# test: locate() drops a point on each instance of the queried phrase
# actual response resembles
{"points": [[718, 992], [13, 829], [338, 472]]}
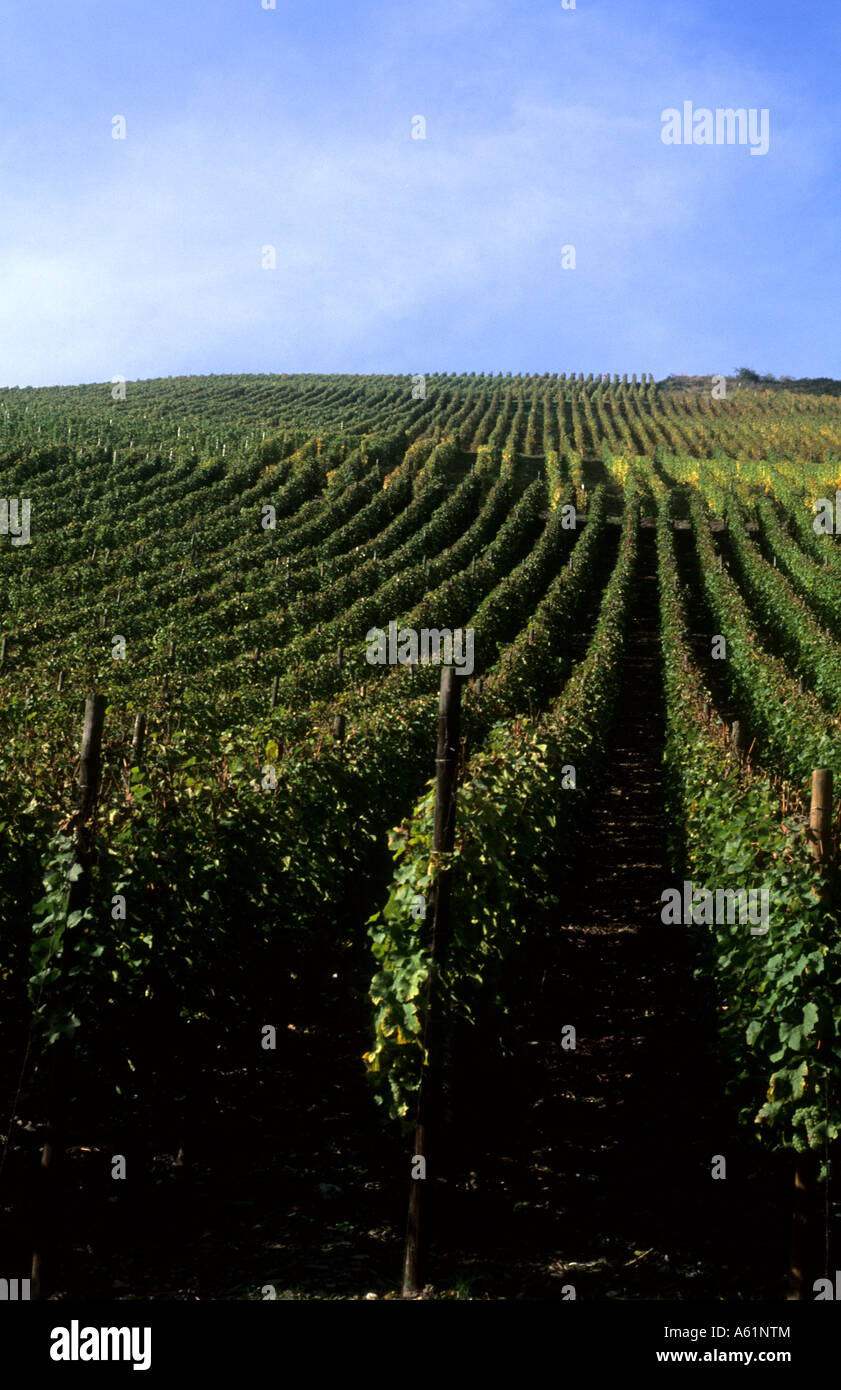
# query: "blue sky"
{"points": [[291, 128]]}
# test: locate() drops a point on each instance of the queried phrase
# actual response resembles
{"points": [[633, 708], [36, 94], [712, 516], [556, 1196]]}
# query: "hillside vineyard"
{"points": [[217, 919]]}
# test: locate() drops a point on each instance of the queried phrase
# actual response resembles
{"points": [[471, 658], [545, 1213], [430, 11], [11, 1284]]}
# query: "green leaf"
{"points": [[810, 1017]]}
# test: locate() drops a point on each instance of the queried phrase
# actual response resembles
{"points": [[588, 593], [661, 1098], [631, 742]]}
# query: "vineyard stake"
{"points": [[820, 816], [446, 770], [805, 1227], [88, 785], [339, 730], [138, 739]]}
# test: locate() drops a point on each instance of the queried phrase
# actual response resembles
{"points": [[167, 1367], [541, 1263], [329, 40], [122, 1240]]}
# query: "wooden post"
{"points": [[806, 1258], [275, 684], [446, 769], [138, 739], [339, 728], [172, 651], [339, 657], [59, 1065], [89, 767], [805, 1245], [737, 737], [2, 650], [820, 817], [60, 685]]}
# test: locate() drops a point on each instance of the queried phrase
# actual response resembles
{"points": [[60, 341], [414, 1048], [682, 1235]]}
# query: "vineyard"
{"points": [[274, 868]]}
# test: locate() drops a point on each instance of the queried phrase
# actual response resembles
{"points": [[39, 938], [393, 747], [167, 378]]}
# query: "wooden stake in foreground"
{"points": [[820, 817], [805, 1227], [138, 739], [446, 770]]}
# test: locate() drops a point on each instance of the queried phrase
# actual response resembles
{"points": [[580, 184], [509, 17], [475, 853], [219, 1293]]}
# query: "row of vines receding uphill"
{"points": [[517, 810], [778, 981]]}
